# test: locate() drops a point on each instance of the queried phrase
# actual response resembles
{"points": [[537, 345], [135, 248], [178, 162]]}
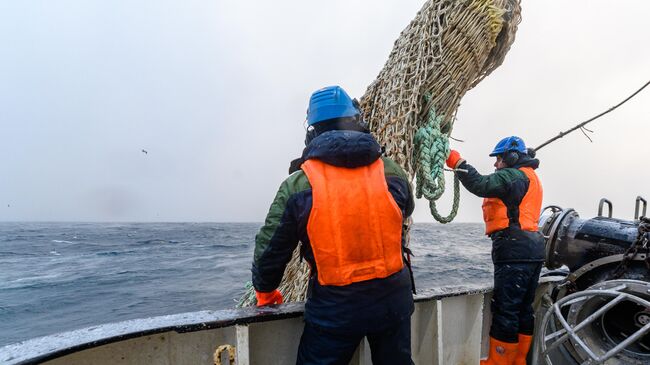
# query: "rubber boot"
{"points": [[501, 353], [524, 346]]}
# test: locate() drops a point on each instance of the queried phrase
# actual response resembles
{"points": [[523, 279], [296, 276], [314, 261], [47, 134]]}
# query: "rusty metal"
{"points": [[220, 350]]}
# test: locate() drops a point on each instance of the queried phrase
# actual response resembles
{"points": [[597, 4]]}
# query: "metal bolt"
{"points": [[643, 319]]}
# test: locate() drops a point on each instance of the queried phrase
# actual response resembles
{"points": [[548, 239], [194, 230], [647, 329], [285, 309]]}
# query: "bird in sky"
{"points": [[144, 151]]}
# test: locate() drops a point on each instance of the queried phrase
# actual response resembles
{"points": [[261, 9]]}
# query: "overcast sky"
{"points": [[216, 92]]}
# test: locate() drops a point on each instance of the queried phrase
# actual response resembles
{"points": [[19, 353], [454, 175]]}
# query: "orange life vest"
{"points": [[355, 226], [495, 213]]}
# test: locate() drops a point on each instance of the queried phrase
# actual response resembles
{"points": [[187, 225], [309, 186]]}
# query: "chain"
{"points": [[641, 244]]}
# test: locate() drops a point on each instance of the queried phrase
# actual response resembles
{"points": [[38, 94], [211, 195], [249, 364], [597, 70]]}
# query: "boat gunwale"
{"points": [[37, 350]]}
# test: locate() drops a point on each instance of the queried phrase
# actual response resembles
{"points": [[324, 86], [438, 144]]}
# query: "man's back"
{"points": [[363, 302], [347, 206]]}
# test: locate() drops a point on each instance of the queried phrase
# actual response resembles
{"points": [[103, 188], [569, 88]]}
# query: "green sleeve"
{"points": [[392, 169], [495, 185], [295, 183]]}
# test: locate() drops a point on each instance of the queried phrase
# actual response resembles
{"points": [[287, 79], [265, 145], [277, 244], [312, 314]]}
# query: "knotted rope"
{"points": [[431, 151]]}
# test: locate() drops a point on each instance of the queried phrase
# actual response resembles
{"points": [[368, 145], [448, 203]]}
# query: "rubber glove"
{"points": [[274, 297], [454, 159]]}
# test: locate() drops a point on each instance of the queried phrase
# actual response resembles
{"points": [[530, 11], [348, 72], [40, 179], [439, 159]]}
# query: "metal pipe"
{"points": [[639, 199], [600, 207]]}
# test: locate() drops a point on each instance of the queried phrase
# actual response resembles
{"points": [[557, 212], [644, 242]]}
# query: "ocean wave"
{"points": [[61, 241], [30, 282], [227, 245], [10, 253], [115, 253], [158, 242], [114, 272]]}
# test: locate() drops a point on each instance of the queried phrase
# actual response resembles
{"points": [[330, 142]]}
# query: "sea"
{"points": [[57, 277]]}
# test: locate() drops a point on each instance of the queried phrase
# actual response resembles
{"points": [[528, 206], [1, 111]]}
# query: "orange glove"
{"points": [[454, 159], [274, 297]]}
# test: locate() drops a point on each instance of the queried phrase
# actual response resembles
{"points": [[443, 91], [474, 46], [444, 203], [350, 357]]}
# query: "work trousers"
{"points": [[512, 300], [321, 346]]}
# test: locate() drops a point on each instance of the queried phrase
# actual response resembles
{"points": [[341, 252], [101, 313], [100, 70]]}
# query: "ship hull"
{"points": [[448, 327]]}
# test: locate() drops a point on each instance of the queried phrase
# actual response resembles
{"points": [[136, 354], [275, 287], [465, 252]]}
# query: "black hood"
{"points": [[526, 161], [343, 148]]}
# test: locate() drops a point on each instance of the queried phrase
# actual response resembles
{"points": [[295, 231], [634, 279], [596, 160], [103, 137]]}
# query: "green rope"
{"points": [[431, 151], [454, 208]]}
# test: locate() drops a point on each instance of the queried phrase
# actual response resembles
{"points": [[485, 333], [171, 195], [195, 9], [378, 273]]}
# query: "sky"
{"points": [[216, 93]]}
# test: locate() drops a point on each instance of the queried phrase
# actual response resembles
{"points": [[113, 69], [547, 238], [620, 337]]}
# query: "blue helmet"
{"points": [[328, 103], [509, 144]]}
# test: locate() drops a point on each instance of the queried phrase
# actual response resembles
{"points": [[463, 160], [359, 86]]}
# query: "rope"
{"points": [[581, 126], [431, 148], [454, 208], [231, 354]]}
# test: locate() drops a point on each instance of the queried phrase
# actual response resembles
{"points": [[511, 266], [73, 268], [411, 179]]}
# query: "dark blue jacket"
{"points": [[368, 305]]}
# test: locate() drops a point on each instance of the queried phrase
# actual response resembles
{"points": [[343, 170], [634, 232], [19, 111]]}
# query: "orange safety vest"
{"points": [[355, 226], [495, 213]]}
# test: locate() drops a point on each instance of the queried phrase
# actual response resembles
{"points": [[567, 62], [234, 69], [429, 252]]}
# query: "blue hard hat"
{"points": [[328, 103], [508, 144]]}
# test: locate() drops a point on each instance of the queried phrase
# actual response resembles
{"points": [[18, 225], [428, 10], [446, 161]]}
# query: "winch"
{"points": [[596, 310]]}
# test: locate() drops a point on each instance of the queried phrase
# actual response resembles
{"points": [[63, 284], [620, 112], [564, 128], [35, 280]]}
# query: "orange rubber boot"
{"points": [[501, 353], [524, 346]]}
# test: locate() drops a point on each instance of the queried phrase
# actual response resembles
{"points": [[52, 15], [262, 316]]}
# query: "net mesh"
{"points": [[447, 49]]}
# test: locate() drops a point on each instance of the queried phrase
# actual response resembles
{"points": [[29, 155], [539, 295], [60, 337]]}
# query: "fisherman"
{"points": [[511, 209], [347, 206]]}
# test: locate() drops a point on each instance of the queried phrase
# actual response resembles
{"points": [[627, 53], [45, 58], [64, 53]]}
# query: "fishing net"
{"points": [[448, 48]]}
